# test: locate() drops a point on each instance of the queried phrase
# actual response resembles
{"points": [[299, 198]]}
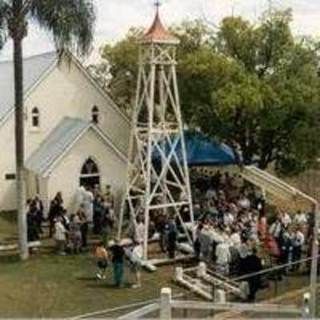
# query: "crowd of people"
{"points": [[233, 223], [93, 212], [236, 231]]}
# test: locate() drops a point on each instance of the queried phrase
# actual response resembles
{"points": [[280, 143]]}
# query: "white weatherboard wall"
{"points": [[67, 91], [7, 166], [65, 176]]}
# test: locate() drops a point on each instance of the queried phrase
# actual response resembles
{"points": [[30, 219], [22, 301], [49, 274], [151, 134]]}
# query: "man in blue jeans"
{"points": [[118, 262]]}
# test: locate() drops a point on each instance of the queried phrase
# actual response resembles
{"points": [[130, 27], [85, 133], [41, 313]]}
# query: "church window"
{"points": [[90, 175], [89, 167], [10, 176], [35, 117], [95, 115]]}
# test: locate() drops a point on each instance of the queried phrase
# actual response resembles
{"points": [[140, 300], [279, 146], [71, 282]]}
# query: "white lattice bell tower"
{"points": [[158, 178]]}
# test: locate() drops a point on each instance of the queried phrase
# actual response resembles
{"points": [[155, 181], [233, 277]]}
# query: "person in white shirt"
{"points": [[235, 238], [300, 218], [244, 202], [243, 250], [275, 228], [285, 219], [60, 236], [135, 256], [210, 194], [108, 196], [223, 256], [88, 205], [79, 198], [140, 230], [297, 244], [228, 219]]}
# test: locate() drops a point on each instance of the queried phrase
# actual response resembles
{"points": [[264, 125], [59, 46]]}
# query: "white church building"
{"points": [[74, 132]]}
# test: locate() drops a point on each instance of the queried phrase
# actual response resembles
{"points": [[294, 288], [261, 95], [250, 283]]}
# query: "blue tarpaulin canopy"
{"points": [[203, 151]]}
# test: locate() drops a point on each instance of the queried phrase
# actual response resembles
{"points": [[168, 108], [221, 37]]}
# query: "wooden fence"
{"points": [[166, 305]]}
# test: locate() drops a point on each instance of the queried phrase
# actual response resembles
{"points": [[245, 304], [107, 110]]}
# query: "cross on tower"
{"points": [[157, 3]]}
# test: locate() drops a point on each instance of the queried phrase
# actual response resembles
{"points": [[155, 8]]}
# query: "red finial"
{"points": [[157, 33]]}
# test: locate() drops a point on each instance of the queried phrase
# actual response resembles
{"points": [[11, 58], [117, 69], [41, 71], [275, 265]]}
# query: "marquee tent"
{"points": [[202, 151]]}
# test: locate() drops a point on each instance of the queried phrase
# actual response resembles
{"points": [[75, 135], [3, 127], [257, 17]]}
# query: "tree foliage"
{"points": [[123, 58], [70, 22], [254, 86]]}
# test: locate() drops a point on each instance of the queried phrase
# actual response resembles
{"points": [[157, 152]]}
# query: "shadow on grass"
{"points": [[9, 216], [108, 285], [10, 239], [9, 258], [93, 282], [86, 278], [101, 285]]}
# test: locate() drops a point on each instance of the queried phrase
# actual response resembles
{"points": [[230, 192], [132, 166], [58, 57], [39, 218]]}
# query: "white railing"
{"points": [[166, 305], [15, 246], [205, 280]]}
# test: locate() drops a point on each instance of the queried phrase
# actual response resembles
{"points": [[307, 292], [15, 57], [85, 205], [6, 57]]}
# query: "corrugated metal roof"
{"points": [[68, 130], [34, 68]]}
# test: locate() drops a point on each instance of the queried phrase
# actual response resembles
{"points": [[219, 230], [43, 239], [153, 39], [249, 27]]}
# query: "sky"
{"points": [[115, 17]]}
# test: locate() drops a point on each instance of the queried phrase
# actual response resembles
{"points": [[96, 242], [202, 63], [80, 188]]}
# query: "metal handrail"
{"points": [[276, 268]]}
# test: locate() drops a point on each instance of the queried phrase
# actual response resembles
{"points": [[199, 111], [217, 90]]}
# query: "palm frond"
{"points": [[70, 21], [5, 11]]}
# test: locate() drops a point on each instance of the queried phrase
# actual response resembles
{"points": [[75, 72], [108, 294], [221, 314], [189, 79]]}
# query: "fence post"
{"points": [[244, 288], [179, 273], [165, 304], [276, 285], [219, 296], [202, 270], [306, 306]]}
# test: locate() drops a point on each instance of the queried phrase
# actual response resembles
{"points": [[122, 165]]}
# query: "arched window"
{"points": [[89, 167], [35, 117], [90, 175], [95, 115]]}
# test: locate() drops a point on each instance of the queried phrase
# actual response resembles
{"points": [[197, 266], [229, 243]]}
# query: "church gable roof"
{"points": [[67, 131], [59, 142], [34, 68]]}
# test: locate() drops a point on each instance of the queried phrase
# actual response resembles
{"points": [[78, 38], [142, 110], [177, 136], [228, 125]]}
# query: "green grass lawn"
{"points": [[8, 227], [64, 286], [54, 286]]}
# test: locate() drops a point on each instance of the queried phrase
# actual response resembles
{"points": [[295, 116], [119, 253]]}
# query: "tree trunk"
{"points": [[19, 145]]}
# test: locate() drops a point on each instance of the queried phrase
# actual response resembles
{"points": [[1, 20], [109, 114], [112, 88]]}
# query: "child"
{"points": [[75, 234], [101, 256], [60, 236], [118, 262], [135, 256]]}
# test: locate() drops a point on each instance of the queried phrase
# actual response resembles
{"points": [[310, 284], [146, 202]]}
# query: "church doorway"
{"points": [[90, 175]]}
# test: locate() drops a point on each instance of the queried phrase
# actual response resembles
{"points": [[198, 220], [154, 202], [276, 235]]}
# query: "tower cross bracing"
{"points": [[158, 176]]}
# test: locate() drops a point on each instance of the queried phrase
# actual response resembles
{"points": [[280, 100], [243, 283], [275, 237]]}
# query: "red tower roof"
{"points": [[157, 33]]}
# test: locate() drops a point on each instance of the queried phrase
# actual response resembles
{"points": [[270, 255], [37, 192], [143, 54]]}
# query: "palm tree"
{"points": [[71, 23]]}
